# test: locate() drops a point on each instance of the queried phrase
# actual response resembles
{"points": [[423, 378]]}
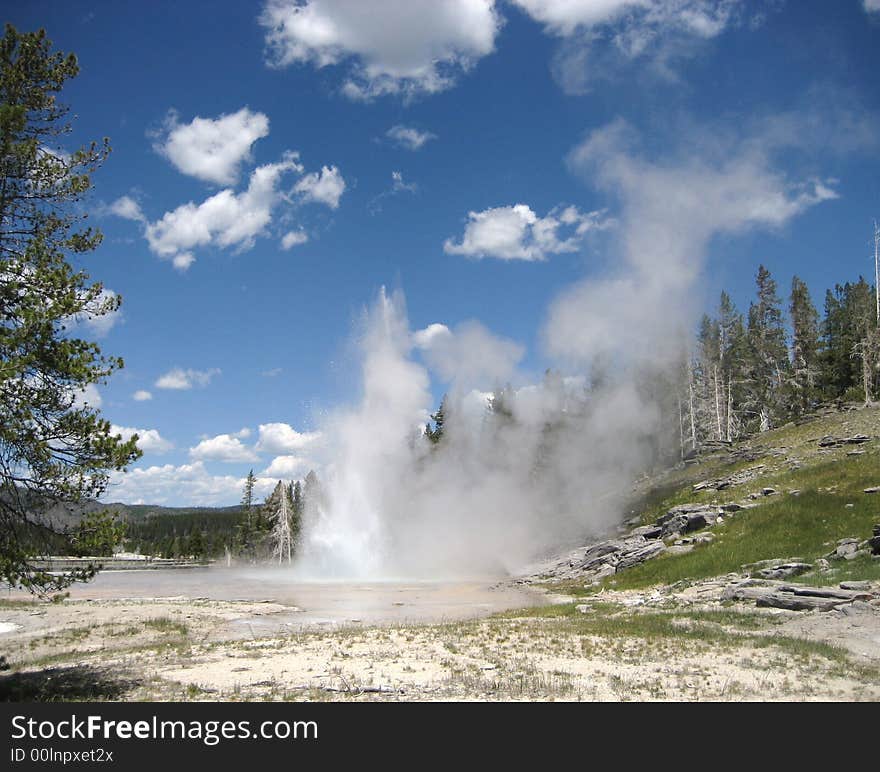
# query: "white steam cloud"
{"points": [[526, 467]]}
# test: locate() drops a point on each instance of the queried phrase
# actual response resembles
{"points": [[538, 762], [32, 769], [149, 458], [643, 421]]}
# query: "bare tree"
{"points": [[282, 533]]}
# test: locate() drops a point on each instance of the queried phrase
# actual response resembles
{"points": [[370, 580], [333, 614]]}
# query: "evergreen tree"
{"points": [[247, 497], [804, 348], [54, 447], [767, 355], [435, 434]]}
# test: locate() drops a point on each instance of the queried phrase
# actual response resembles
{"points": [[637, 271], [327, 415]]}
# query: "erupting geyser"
{"points": [[502, 484]]}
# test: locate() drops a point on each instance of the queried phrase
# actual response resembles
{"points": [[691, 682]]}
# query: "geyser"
{"points": [[503, 483]]}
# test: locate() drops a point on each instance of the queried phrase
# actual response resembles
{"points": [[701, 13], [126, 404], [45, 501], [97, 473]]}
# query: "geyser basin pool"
{"points": [[317, 603]]}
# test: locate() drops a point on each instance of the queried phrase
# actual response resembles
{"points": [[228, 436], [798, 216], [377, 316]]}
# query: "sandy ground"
{"points": [[657, 645]]}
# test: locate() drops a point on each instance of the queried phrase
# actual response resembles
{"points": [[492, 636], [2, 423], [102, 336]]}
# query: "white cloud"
{"points": [[424, 338], [283, 439], [398, 185], [393, 47], [517, 233], [872, 6], [212, 149], [564, 17], [226, 219], [601, 37], [275, 371], [409, 137], [183, 260], [287, 467], [185, 485], [294, 238], [641, 18], [223, 447], [99, 316], [142, 395], [127, 208], [180, 379], [324, 187], [149, 440]]}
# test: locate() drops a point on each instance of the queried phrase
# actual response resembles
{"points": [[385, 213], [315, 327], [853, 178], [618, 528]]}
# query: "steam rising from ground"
{"points": [[555, 461], [501, 485]]}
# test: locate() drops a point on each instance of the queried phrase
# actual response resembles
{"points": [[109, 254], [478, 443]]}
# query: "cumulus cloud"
{"points": [[179, 379], [293, 238], [287, 467], [392, 47], [184, 485], [182, 261], [324, 187], [283, 439], [427, 336], [224, 447], [670, 211], [149, 440], [872, 6], [226, 219], [211, 149], [141, 395], [517, 233], [127, 208], [409, 137], [601, 37]]}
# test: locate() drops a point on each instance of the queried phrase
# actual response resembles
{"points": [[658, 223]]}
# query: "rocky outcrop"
{"points": [[835, 442], [719, 484], [794, 597]]}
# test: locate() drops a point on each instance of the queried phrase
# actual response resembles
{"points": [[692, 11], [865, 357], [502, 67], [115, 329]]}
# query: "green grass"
{"points": [[805, 526]]}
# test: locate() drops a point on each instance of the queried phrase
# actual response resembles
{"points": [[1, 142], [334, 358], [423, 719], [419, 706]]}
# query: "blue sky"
{"points": [[519, 163]]}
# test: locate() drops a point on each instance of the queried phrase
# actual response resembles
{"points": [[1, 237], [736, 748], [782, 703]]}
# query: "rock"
{"points": [[855, 585], [795, 492], [785, 570], [640, 554], [822, 565], [874, 544], [847, 547], [834, 442], [792, 597], [768, 491], [874, 489], [648, 531], [857, 554]]}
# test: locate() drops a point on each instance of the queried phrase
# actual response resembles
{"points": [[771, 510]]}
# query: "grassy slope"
{"points": [[831, 505]]}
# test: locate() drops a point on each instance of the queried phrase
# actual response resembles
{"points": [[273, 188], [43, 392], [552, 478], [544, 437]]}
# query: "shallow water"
{"points": [[319, 603]]}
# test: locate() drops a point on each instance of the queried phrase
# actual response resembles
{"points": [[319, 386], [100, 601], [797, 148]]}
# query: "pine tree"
{"points": [[435, 434], [54, 447], [247, 498], [768, 354], [804, 348]]}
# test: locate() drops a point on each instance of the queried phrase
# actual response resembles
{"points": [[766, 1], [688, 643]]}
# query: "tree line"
{"points": [[747, 373]]}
